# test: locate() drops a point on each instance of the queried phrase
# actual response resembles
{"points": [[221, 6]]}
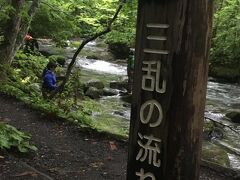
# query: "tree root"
{"points": [[36, 171]]}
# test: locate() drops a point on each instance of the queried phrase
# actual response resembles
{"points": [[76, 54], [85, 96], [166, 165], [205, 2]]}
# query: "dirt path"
{"points": [[65, 152]]}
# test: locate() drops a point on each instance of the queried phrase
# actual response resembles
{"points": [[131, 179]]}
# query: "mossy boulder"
{"points": [[122, 85], [51, 50], [127, 98], [93, 93], [109, 92], [234, 116], [75, 43], [120, 50], [215, 154], [230, 74], [95, 83], [207, 129], [93, 56], [97, 54], [58, 58]]}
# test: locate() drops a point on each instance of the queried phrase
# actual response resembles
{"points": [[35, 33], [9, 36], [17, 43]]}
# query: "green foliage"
{"points": [[124, 29], [5, 9], [225, 52], [10, 137], [62, 19], [58, 59], [52, 21], [24, 80], [226, 37], [10, 13]]}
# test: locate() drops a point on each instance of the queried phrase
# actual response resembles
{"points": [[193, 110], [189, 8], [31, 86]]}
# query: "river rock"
{"points": [[109, 92], [212, 131], [225, 73], [119, 113], [95, 83], [119, 85], [58, 58], [234, 116], [97, 50], [92, 57], [120, 50], [127, 98], [94, 93], [215, 154], [48, 50]]}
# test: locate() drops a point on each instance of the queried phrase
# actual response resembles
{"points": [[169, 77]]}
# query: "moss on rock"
{"points": [[234, 116], [215, 154], [231, 74]]}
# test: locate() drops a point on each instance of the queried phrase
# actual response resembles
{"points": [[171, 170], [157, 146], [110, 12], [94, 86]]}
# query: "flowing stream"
{"points": [[220, 98]]}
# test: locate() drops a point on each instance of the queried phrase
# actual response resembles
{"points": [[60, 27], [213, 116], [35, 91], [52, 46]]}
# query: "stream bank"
{"points": [[65, 151]]}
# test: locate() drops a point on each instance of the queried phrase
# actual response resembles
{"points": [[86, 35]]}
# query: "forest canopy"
{"points": [[225, 52], [62, 19]]}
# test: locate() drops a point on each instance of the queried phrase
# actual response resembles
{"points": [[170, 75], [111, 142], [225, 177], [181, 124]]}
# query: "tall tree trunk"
{"points": [[11, 30], [15, 29], [25, 24]]}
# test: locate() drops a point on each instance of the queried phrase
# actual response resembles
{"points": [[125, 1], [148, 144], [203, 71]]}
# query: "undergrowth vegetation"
{"points": [[24, 78], [10, 138], [24, 82], [61, 19]]}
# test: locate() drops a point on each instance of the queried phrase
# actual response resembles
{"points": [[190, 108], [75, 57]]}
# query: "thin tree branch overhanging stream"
{"points": [[84, 42]]}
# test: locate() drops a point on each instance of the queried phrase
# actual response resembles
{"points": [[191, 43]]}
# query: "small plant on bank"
{"points": [[10, 137]]}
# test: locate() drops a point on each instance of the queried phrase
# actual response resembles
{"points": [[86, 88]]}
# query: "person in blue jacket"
{"points": [[49, 79]]}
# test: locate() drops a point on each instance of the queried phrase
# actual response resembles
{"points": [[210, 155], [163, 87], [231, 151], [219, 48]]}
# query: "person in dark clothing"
{"points": [[130, 70], [49, 84], [30, 43]]}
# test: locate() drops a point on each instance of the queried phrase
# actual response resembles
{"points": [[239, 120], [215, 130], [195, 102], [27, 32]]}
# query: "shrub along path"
{"points": [[65, 152]]}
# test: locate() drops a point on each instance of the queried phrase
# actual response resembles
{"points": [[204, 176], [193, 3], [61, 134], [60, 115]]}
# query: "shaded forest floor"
{"points": [[65, 151]]}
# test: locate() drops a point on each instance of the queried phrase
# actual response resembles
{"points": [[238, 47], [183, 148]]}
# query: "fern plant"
{"points": [[10, 137]]}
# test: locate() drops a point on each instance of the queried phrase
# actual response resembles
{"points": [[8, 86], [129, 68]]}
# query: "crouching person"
{"points": [[30, 43], [49, 84]]}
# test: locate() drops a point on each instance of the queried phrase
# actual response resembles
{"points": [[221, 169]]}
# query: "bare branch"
{"points": [[222, 124]]}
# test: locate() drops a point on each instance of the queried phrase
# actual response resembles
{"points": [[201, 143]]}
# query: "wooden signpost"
{"points": [[170, 80]]}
